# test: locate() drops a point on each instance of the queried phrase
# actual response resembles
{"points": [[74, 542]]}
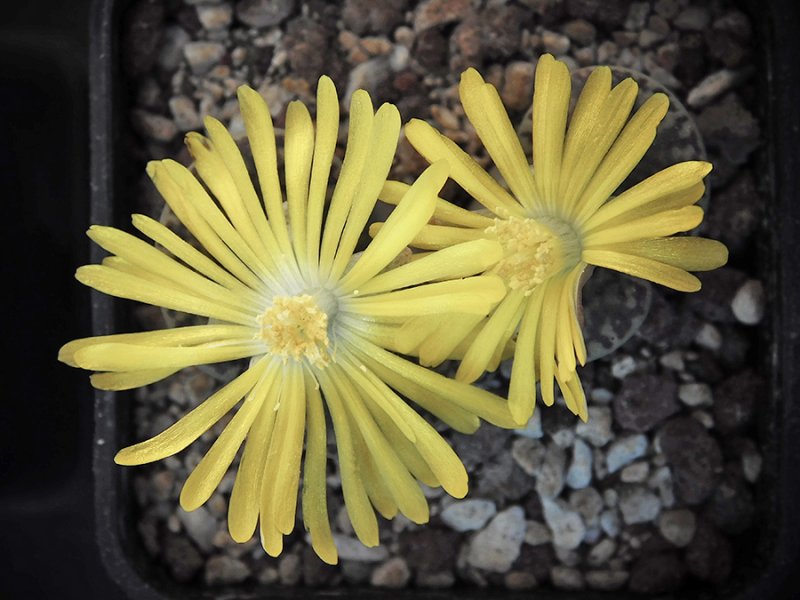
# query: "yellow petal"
{"points": [[436, 237], [206, 476], [584, 119], [298, 154], [458, 418], [324, 147], [522, 388], [476, 400], [195, 259], [463, 169], [315, 507], [356, 500], [551, 94], [196, 194], [624, 155], [359, 143], [378, 394], [217, 178], [140, 253], [385, 132], [610, 121], [446, 212], [177, 336], [375, 484], [128, 380], [285, 450], [443, 342], [454, 262], [121, 285], [261, 135], [674, 187], [546, 347], [188, 214], [225, 146], [657, 225], [473, 295], [657, 272], [401, 227], [246, 494], [491, 335], [192, 425], [133, 357], [405, 449], [402, 487], [487, 114], [688, 253]]}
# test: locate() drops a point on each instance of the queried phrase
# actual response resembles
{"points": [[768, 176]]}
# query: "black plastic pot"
{"points": [[777, 548]]}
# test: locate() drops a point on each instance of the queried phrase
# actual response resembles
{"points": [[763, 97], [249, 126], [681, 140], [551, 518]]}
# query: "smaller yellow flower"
{"points": [[285, 289], [556, 218]]}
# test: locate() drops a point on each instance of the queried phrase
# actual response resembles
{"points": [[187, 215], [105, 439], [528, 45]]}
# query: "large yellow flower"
{"points": [[314, 319], [554, 219]]}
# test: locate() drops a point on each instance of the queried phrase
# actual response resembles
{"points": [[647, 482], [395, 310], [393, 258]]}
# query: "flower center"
{"points": [[297, 326], [534, 250]]}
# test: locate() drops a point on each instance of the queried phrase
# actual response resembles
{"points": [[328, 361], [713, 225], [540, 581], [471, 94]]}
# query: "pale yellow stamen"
{"points": [[533, 250], [296, 327]]}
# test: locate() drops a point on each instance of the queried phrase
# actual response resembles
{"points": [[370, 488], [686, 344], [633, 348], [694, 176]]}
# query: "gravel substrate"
{"points": [[654, 493]]}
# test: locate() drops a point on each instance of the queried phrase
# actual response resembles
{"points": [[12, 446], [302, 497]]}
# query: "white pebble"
{"points": [[748, 303], [696, 394]]}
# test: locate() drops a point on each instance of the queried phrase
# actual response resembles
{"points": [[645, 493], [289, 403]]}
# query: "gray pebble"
{"points": [[263, 13], [520, 580], [708, 336], [566, 525], [661, 481], [468, 515], [184, 113], [678, 526], [579, 474], [638, 505], [696, 394], [202, 56], [597, 431], [637, 16], [550, 478], [159, 129], [290, 571], [537, 533], [221, 569], [566, 578], [635, 473], [171, 52], [533, 429], [497, 547], [214, 17], [200, 525], [350, 549], [623, 366], [624, 451], [528, 454], [602, 552], [610, 523], [588, 502], [393, 574], [692, 18], [555, 43], [712, 87], [606, 580]]}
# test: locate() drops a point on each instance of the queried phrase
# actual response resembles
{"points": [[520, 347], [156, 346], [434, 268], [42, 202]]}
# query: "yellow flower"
{"points": [[555, 219], [313, 318]]}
